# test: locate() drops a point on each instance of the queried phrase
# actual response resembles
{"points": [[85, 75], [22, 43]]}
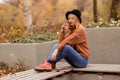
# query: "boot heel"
{"points": [[53, 65]]}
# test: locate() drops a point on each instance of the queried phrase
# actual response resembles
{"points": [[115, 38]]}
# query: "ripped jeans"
{"points": [[70, 55]]}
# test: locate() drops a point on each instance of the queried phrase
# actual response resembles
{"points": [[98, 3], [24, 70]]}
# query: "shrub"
{"points": [[9, 32], [7, 69], [36, 38], [101, 23]]}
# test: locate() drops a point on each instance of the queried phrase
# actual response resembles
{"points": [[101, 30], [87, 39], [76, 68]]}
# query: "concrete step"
{"points": [[108, 68]]}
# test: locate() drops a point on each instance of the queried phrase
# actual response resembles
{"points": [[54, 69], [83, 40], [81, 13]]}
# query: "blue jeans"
{"points": [[70, 55]]}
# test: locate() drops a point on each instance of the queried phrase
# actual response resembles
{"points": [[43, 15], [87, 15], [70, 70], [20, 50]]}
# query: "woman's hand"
{"points": [[54, 55], [65, 25]]}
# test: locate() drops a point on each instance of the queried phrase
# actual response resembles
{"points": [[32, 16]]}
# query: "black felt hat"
{"points": [[75, 12]]}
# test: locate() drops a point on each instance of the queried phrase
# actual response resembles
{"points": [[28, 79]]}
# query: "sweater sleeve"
{"points": [[61, 36], [76, 37]]}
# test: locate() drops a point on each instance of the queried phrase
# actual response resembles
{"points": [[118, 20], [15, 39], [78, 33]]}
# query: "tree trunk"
{"points": [[113, 11], [27, 17], [81, 4], [95, 17]]}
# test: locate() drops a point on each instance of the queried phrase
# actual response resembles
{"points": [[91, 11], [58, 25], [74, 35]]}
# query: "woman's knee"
{"points": [[67, 46]]}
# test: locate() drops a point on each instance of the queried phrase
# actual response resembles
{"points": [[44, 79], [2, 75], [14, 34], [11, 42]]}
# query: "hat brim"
{"points": [[69, 12], [72, 12]]}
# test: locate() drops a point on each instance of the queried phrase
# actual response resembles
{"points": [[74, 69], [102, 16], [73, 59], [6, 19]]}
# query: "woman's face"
{"points": [[72, 19]]}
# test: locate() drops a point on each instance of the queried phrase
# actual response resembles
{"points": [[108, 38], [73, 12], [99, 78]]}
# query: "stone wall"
{"points": [[104, 45]]}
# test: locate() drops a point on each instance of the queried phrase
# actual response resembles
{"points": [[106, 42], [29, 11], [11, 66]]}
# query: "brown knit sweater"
{"points": [[77, 39]]}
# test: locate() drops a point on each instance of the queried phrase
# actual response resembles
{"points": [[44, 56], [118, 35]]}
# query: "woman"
{"points": [[72, 46]]}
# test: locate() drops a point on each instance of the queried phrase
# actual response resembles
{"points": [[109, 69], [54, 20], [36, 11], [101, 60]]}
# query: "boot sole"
{"points": [[41, 70]]}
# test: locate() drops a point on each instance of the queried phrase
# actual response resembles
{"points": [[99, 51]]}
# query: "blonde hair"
{"points": [[78, 25]]}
